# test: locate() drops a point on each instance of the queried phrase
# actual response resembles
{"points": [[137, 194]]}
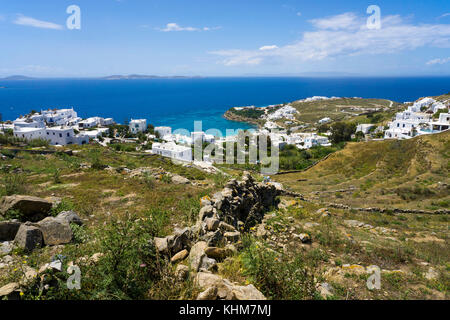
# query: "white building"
{"points": [[59, 116], [364, 128], [172, 150], [287, 112], [89, 123], [137, 125], [163, 131], [60, 135], [414, 121], [28, 133], [324, 120]]}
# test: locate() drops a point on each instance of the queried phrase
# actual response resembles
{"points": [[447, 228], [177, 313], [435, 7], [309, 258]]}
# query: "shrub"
{"points": [[278, 276], [14, 183]]}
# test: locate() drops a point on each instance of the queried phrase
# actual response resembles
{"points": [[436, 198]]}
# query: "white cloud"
{"points": [[266, 48], [299, 14], [342, 21], [347, 35], [445, 15], [176, 27], [31, 22], [438, 61]]}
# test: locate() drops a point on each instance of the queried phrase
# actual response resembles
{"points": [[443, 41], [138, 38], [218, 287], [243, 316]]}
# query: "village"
{"points": [[61, 127]]}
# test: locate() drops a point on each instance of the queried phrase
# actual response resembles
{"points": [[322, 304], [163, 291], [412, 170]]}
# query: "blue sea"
{"points": [[180, 102]]}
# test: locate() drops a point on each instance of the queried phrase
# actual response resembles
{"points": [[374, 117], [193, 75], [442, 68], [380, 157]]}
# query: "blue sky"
{"points": [[224, 38]]}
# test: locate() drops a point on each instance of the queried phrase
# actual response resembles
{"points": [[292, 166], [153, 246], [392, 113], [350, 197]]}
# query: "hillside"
{"points": [[391, 173]]}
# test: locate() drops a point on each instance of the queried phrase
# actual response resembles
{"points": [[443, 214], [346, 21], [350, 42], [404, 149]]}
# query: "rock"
{"points": [[55, 231], [161, 245], [32, 208], [208, 264], [353, 223], [208, 294], [218, 253], [11, 291], [322, 211], [180, 240], [226, 227], [176, 179], [212, 224], [8, 230], [232, 236], [55, 265], [196, 255], [326, 290], [29, 237], [213, 238], [70, 217], [207, 280], [431, 274], [6, 247], [29, 274], [206, 211], [247, 293], [304, 238], [180, 256]]}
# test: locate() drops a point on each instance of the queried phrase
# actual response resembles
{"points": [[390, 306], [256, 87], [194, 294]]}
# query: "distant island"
{"points": [[17, 77]]}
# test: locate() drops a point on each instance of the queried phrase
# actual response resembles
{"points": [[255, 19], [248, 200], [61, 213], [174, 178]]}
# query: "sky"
{"points": [[225, 38]]}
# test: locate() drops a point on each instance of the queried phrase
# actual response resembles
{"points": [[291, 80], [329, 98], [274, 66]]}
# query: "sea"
{"points": [[178, 102]]}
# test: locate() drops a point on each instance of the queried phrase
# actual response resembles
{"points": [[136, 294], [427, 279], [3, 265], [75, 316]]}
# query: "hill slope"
{"points": [[405, 174]]}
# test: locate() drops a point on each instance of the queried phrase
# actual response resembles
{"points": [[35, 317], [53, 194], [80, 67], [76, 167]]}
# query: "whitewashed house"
{"points": [[59, 116], [28, 133], [172, 150], [324, 120], [138, 125], [65, 135], [364, 128]]}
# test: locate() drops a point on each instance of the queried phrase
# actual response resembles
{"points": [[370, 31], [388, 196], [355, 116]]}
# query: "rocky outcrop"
{"points": [[31, 208]]}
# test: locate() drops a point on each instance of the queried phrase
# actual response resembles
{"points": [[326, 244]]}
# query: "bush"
{"points": [[14, 183], [277, 276]]}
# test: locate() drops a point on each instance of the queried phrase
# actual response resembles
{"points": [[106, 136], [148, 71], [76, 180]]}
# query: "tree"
{"points": [[341, 131]]}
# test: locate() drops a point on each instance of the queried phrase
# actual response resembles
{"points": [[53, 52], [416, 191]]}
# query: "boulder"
{"points": [[176, 179], [55, 231], [304, 238], [208, 264], [29, 237], [180, 256], [212, 224], [196, 255], [70, 217], [207, 280], [218, 253], [213, 238], [10, 291], [161, 245], [206, 211], [247, 293], [8, 230], [5, 247], [208, 294], [226, 227], [32, 208], [232, 236]]}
